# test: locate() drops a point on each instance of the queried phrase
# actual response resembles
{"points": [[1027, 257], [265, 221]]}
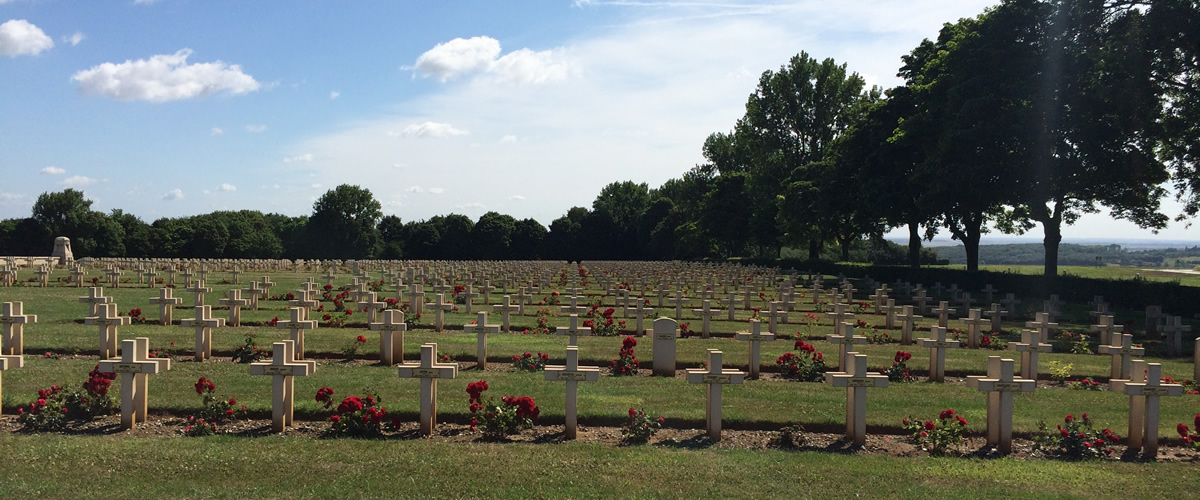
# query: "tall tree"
{"points": [[343, 223]]}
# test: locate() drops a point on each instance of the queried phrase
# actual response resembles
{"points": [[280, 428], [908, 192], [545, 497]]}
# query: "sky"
{"points": [[167, 108]]}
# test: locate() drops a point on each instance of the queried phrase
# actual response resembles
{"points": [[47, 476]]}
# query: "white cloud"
{"points": [[516, 197], [436, 190], [164, 77], [481, 55], [433, 129], [316, 186], [74, 38], [227, 187], [53, 170], [145, 2], [508, 139], [416, 189], [306, 157], [19, 37], [399, 165], [470, 206], [334, 95], [174, 194], [77, 181], [216, 131], [11, 199], [256, 128]]}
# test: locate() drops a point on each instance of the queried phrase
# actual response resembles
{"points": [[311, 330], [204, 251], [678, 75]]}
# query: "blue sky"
{"points": [[181, 107]]}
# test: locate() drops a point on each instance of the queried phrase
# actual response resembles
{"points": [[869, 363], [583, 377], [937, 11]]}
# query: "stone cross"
{"points": [[429, 371], [1000, 385], [1152, 390], [505, 309], [439, 312], [965, 301], [845, 341], [166, 305], [522, 299], [776, 312], [108, 320], [234, 273], [329, 276], [134, 366], [186, 274], [77, 276], [679, 301], [572, 373], [304, 301], [13, 320], [879, 299], [283, 368], [198, 289], [1106, 328], [252, 292], [470, 294], [94, 299], [731, 305], [706, 312], [714, 376], [666, 334], [9, 362], [889, 312], [995, 315], [839, 314], [756, 338], [988, 293], [235, 303], [266, 285], [296, 326], [943, 311], [203, 324], [574, 307], [114, 276], [391, 337], [370, 302], [1122, 352], [856, 380], [573, 330], [1010, 302], [937, 345], [908, 320], [1042, 324], [974, 321], [921, 299], [481, 329], [151, 277], [1137, 403], [640, 313], [1030, 345], [1174, 329]]}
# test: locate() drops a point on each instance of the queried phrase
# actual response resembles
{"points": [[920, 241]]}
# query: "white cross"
{"points": [[134, 366], [1042, 324], [470, 294], [1137, 403], [572, 373], [1000, 385], [429, 371], [921, 299], [369, 302], [391, 337], [907, 321], [481, 329], [252, 292], [943, 311], [1106, 328], [506, 308], [937, 345], [844, 340], [974, 321], [756, 338], [640, 313], [1174, 329], [439, 312], [573, 331], [235, 303], [199, 290], [1152, 390], [714, 376], [282, 368], [856, 380], [1122, 352], [94, 299], [203, 324], [13, 320], [266, 285], [296, 326], [839, 314], [166, 305], [108, 320], [1030, 345]]}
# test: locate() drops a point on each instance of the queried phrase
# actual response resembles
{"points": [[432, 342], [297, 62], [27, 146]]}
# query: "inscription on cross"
{"points": [[573, 374], [429, 371], [12, 328], [714, 377], [283, 368], [755, 337], [135, 366], [856, 380]]}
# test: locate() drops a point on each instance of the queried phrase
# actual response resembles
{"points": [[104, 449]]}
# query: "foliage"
{"points": [[249, 351], [1085, 384], [1075, 440], [601, 321], [791, 436], [1191, 439], [349, 351], [626, 362], [54, 407], [942, 436], [1074, 343], [640, 427], [502, 419], [213, 410], [808, 366], [899, 371], [529, 362], [1060, 372], [354, 416], [46, 414]]}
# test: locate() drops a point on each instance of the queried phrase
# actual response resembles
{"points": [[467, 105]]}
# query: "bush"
{"points": [[503, 419], [808, 366], [355, 416], [640, 427], [528, 362], [939, 437], [899, 371], [626, 363], [1076, 440], [249, 352]]}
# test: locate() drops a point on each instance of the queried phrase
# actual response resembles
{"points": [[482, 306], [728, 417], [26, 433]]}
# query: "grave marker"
{"points": [[856, 380], [166, 305], [1000, 385], [907, 321], [429, 371], [573, 330], [714, 377], [505, 309], [134, 366], [1030, 345], [1152, 390], [756, 338], [108, 320], [1122, 352], [296, 326], [235, 302], [94, 299], [439, 312], [937, 345], [283, 368], [203, 324], [706, 312], [572, 373], [666, 333], [481, 329], [13, 320], [391, 337], [974, 321], [845, 342]]}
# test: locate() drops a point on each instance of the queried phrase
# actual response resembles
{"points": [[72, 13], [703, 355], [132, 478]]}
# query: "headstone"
{"points": [[714, 376], [856, 380], [839, 314], [1042, 324], [666, 334], [1152, 390], [429, 371], [1106, 329], [235, 302], [1122, 352], [481, 329], [296, 326], [974, 323], [706, 312], [440, 309], [995, 315], [198, 289], [94, 299], [108, 320], [943, 311], [573, 330], [203, 323], [391, 337], [370, 302], [283, 368], [134, 366], [506, 308], [845, 341], [12, 328], [755, 336], [1030, 345], [937, 345], [572, 373], [1137, 402], [1000, 385], [907, 321]]}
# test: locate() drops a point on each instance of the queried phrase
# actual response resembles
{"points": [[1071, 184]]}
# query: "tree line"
{"points": [[1034, 112]]}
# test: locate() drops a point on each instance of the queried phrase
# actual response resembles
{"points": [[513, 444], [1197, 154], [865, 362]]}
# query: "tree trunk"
{"points": [[1053, 231], [814, 249], [845, 243], [971, 231], [914, 245]]}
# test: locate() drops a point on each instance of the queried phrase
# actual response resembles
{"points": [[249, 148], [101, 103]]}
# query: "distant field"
{"points": [[1107, 272]]}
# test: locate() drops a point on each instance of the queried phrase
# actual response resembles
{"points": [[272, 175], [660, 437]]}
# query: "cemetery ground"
{"points": [[751, 459]]}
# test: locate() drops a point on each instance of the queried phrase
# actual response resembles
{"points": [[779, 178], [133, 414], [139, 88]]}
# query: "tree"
{"points": [[343, 223], [726, 214], [623, 204], [455, 232], [493, 235], [527, 239], [391, 237]]}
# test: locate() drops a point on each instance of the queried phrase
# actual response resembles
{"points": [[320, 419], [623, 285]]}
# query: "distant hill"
{"points": [[1074, 255]]}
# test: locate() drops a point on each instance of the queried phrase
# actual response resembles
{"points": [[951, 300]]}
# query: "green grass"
{"points": [[84, 466], [1103, 272]]}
